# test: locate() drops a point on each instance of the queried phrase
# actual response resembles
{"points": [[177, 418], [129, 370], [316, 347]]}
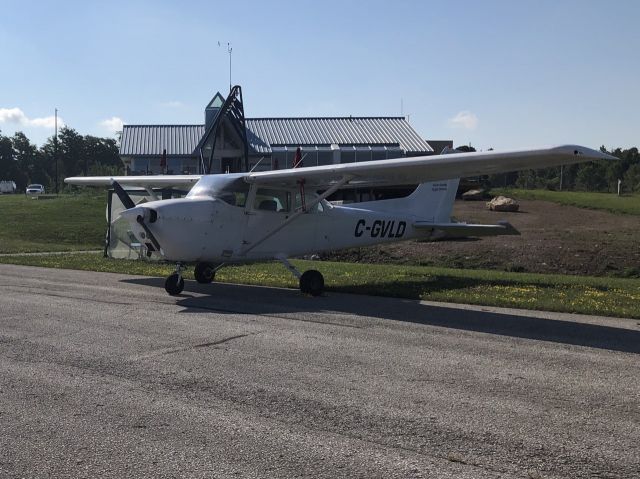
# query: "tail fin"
{"points": [[431, 202], [434, 201]]}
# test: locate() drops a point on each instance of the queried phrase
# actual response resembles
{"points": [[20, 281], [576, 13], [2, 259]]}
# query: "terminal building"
{"points": [[229, 142]]}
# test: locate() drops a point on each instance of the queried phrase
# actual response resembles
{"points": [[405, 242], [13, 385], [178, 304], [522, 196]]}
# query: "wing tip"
{"points": [[579, 150]]}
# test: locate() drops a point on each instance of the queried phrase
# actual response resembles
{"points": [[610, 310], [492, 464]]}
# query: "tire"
{"points": [[204, 273], [174, 284], [312, 282]]}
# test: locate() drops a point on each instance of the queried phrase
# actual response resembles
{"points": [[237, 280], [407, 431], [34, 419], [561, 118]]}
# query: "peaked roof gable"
{"points": [[216, 102]]}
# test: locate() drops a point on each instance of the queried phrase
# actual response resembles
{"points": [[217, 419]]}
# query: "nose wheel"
{"points": [[174, 284]]}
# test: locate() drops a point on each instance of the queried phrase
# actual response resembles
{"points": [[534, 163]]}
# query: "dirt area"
{"points": [[554, 239]]}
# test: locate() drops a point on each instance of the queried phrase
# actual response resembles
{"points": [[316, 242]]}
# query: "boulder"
{"points": [[502, 203], [473, 195]]}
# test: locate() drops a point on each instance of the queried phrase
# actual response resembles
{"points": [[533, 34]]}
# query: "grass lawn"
{"points": [[626, 204], [60, 223], [69, 222], [587, 295]]}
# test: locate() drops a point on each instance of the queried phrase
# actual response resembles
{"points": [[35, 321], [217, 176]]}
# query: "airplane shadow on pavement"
{"points": [[223, 298]]}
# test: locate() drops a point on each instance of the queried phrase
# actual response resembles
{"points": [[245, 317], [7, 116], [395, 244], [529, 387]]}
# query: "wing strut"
{"points": [[344, 180]]}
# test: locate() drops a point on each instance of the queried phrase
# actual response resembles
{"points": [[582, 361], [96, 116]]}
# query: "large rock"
{"points": [[502, 203], [473, 195]]}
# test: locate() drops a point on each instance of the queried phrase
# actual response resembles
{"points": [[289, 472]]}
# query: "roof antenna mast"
{"points": [[229, 50]]}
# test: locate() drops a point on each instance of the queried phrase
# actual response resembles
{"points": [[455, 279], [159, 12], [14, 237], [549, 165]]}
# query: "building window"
{"points": [[174, 166], [279, 157], [394, 152], [347, 154], [309, 155], [325, 156], [363, 153]]}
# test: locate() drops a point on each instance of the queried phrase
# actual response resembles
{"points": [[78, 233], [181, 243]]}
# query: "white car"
{"points": [[35, 189], [7, 187]]}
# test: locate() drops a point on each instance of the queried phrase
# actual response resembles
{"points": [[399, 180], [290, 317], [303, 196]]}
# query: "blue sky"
{"points": [[502, 74]]}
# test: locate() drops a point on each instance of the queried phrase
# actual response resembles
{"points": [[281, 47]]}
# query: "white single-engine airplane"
{"points": [[244, 217]]}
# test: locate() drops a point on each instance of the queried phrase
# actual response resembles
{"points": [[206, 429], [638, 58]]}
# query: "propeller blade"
{"points": [[124, 197], [150, 235]]}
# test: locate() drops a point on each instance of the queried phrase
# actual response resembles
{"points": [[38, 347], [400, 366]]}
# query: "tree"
{"points": [[8, 166], [592, 177], [71, 152], [26, 157], [101, 152], [631, 181]]}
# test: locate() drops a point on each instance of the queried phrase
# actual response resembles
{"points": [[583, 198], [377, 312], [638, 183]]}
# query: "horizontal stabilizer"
{"points": [[462, 230]]}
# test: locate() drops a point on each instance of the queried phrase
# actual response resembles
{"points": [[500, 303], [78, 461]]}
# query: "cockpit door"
{"points": [[267, 209]]}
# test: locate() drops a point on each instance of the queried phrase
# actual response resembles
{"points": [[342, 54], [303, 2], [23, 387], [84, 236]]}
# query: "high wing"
{"points": [[156, 181], [421, 169], [399, 171]]}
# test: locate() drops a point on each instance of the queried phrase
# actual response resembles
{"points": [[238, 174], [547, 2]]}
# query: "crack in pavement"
{"points": [[269, 315], [49, 294], [163, 352], [212, 343]]}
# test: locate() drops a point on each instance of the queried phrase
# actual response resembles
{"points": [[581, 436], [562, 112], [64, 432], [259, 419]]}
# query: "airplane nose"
{"points": [[148, 215], [140, 217], [132, 213]]}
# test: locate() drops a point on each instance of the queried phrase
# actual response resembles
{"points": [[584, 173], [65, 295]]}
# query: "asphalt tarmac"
{"points": [[104, 375]]}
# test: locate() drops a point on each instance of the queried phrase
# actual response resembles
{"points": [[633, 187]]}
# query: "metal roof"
{"points": [[337, 130], [262, 133], [146, 140]]}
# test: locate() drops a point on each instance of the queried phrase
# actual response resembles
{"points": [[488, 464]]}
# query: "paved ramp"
{"points": [[104, 375]]}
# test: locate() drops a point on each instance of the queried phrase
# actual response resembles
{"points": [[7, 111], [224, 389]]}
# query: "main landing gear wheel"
{"points": [[174, 284], [204, 273], [312, 282]]}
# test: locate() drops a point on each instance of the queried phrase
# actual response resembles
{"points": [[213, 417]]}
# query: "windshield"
{"points": [[230, 188], [34, 186]]}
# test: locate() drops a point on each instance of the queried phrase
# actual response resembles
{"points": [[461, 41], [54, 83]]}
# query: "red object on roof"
{"points": [[163, 160], [297, 162]]}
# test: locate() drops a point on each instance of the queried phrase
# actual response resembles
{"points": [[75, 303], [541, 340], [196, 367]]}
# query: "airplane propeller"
{"points": [[129, 204], [126, 200]]}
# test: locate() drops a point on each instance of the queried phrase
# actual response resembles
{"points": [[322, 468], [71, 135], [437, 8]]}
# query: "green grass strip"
{"points": [[626, 204], [62, 223], [547, 292]]}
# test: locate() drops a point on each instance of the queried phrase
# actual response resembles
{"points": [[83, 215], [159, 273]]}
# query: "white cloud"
{"points": [[464, 119], [16, 116], [112, 124], [12, 115]]}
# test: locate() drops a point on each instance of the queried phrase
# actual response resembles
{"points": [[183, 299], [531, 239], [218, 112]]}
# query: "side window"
{"points": [[234, 198], [272, 200], [308, 198]]}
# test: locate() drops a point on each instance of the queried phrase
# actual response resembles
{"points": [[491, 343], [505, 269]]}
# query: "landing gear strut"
{"points": [[311, 281], [175, 282], [204, 273]]}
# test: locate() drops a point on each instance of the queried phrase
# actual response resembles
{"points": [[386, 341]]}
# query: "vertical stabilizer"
{"points": [[434, 200], [430, 202]]}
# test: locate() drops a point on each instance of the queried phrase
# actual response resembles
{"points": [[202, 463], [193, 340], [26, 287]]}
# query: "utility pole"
{"points": [[55, 147], [229, 50]]}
